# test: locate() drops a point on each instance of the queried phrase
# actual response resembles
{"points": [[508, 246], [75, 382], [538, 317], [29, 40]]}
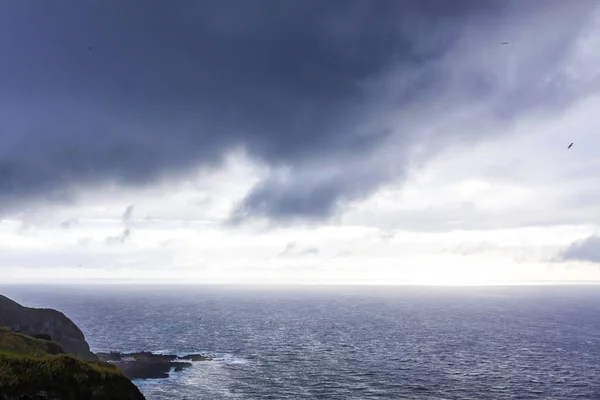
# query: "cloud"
{"points": [[288, 248], [311, 251], [127, 213], [526, 177], [204, 253], [127, 230], [292, 250], [587, 250], [119, 238], [335, 98], [69, 223]]}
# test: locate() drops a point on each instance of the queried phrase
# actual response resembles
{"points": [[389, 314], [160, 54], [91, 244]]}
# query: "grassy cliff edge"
{"points": [[39, 369]]}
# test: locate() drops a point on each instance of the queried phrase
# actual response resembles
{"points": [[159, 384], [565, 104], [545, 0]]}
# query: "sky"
{"points": [[278, 141]]}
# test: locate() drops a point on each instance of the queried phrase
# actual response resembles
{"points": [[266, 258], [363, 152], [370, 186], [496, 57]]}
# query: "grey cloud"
{"points": [[310, 192], [69, 223], [583, 250], [127, 213], [125, 235], [167, 87], [292, 250], [288, 248], [127, 230], [311, 251]]}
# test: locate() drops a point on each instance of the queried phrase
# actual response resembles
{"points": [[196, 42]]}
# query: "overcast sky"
{"points": [[280, 141]]}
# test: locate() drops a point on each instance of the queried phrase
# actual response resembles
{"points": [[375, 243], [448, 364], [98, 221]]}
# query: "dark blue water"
{"points": [[349, 342]]}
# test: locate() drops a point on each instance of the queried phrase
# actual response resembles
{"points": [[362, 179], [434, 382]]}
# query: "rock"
{"points": [[147, 365], [179, 366], [144, 369], [42, 336], [51, 324], [140, 365]]}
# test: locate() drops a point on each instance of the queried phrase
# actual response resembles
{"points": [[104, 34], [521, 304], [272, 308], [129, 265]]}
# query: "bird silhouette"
{"points": [[570, 146], [505, 42]]}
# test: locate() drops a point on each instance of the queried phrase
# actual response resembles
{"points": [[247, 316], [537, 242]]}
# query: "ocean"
{"points": [[519, 342]]}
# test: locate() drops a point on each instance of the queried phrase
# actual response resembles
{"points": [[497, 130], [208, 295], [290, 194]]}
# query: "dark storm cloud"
{"points": [[301, 197], [171, 85], [583, 250]]}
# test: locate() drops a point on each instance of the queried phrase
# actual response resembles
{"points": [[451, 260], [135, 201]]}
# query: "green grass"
{"points": [[17, 343], [29, 365]]}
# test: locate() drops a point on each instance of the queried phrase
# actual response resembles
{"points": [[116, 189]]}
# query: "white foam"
{"points": [[227, 358]]}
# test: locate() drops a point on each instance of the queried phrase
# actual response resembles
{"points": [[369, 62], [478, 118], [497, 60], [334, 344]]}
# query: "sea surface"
{"points": [[539, 342]]}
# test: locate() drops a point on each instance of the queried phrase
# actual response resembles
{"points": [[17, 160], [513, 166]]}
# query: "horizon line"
{"points": [[132, 282]]}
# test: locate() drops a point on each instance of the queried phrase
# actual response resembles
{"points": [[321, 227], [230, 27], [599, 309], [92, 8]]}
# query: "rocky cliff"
{"points": [[38, 369], [46, 323], [44, 356]]}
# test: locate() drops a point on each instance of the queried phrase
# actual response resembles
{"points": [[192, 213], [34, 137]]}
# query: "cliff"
{"points": [[42, 321], [38, 369], [44, 356]]}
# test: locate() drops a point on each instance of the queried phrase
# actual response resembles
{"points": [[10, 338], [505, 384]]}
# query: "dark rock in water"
{"points": [[144, 369], [43, 321], [147, 365], [179, 366]]}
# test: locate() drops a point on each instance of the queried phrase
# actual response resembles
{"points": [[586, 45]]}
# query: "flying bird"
{"points": [[570, 146], [505, 42]]}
